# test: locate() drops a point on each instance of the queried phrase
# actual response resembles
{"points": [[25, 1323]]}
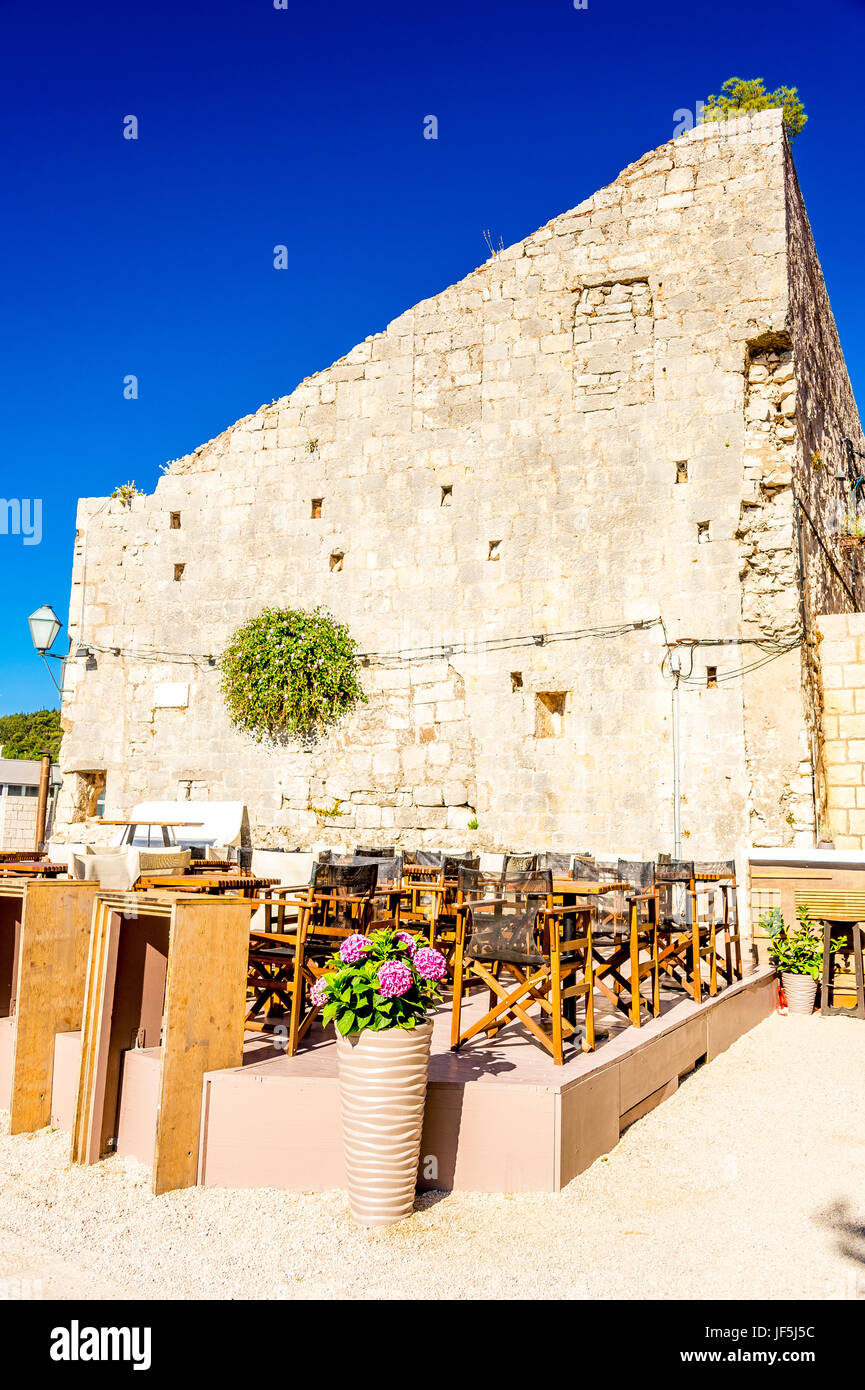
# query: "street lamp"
{"points": [[44, 627]]}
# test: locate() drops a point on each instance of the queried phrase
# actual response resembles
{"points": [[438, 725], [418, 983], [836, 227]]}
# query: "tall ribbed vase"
{"points": [[382, 1083], [801, 991]]}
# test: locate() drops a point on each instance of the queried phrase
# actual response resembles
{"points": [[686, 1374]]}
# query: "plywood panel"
{"points": [[64, 1085], [52, 973], [737, 1013], [10, 935], [588, 1122], [204, 1011], [7, 1048], [101, 965], [650, 1067], [489, 1138], [261, 1131]]}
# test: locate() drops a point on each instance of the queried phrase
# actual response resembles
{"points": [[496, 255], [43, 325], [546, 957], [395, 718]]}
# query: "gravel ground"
{"points": [[748, 1183]]}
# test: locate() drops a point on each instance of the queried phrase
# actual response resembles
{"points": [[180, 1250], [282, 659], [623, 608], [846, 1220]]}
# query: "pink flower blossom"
{"points": [[394, 979], [353, 948], [318, 993], [408, 940], [430, 964]]}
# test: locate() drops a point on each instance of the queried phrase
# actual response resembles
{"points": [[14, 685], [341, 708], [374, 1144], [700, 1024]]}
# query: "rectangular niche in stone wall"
{"points": [[550, 713], [614, 344]]}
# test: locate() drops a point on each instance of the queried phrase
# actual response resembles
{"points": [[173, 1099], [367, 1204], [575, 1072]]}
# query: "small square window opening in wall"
{"points": [[178, 572], [336, 560], [682, 471], [494, 550], [702, 532], [711, 676], [175, 521], [316, 508], [447, 494], [550, 713]]}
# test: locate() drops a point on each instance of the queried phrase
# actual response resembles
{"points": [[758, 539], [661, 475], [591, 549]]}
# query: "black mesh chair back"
{"points": [[588, 869], [637, 872], [673, 878], [726, 867], [503, 909], [725, 897], [452, 863], [385, 852], [520, 863], [389, 870], [341, 880], [325, 856], [423, 859], [558, 864]]}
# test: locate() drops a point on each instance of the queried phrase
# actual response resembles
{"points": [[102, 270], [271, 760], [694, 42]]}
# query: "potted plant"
{"points": [[797, 954], [378, 990]]}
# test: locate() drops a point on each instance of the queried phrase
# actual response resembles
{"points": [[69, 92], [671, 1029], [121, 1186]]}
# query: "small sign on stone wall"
{"points": [[171, 695]]}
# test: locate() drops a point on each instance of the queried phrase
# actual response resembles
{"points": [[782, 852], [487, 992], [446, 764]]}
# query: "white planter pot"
{"points": [[382, 1083], [801, 991]]}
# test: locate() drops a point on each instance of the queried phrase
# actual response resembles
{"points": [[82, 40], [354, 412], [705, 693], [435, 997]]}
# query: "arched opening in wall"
{"points": [[174, 523], [336, 560], [315, 513], [550, 713]]}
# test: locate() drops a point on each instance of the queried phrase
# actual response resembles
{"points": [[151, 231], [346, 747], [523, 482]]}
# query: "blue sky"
{"points": [[304, 127]]}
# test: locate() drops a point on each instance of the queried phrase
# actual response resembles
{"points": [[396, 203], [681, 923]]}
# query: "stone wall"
{"points": [[579, 437], [18, 822]]}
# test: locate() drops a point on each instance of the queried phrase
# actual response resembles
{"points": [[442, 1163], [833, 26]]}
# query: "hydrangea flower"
{"points": [[318, 993], [408, 940], [394, 979], [353, 948], [430, 963]]}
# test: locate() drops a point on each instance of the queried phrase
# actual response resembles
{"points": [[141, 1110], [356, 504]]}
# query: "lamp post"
{"points": [[44, 627]]}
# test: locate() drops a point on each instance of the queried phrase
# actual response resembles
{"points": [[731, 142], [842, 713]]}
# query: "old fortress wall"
{"points": [[599, 427]]}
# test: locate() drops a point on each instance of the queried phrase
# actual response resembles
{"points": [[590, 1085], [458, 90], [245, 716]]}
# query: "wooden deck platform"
{"points": [[500, 1117]]}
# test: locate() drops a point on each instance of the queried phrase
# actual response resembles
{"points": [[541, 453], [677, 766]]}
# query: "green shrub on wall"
{"points": [[290, 674]]}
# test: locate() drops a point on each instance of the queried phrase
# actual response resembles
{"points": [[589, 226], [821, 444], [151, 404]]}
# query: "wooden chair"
{"points": [[686, 928], [507, 925], [722, 883], [284, 966], [423, 890], [444, 936], [626, 936]]}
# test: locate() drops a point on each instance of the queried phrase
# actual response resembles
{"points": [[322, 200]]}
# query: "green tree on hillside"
{"points": [[26, 735], [749, 94]]}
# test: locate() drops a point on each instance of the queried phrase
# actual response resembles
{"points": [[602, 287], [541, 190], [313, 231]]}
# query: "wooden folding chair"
{"points": [[284, 966], [507, 925], [444, 935], [625, 937], [719, 877], [423, 891], [686, 929]]}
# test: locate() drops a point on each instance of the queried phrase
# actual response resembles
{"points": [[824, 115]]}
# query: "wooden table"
{"points": [[165, 825], [39, 869], [245, 884]]}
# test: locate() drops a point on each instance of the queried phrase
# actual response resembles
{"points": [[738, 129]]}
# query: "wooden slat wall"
{"points": [[204, 1010], [208, 954], [52, 974]]}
